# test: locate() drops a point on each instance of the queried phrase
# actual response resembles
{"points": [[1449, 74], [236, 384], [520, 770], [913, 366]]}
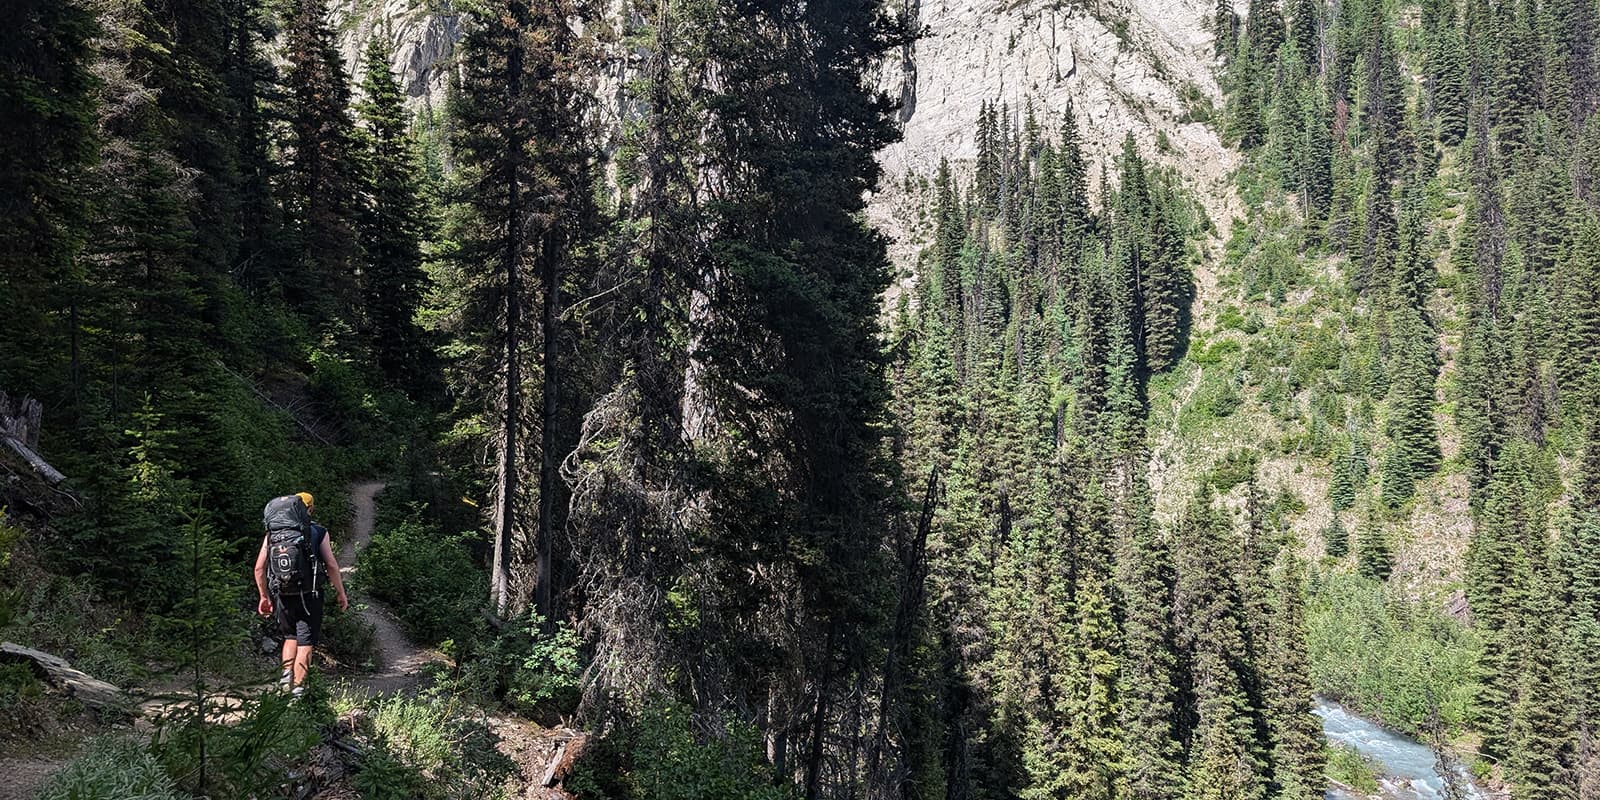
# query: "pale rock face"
{"points": [[1125, 66], [1049, 53], [424, 35]]}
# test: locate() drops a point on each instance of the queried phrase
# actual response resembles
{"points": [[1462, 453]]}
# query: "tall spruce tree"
{"points": [[392, 226]]}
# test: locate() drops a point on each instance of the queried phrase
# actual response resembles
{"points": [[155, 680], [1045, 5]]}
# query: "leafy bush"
{"points": [[385, 776], [1387, 657], [1235, 468], [427, 578], [111, 769], [659, 757], [347, 638], [528, 669]]}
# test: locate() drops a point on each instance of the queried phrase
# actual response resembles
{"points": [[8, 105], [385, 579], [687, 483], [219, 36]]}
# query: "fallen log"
{"points": [[565, 758], [50, 474], [89, 690]]}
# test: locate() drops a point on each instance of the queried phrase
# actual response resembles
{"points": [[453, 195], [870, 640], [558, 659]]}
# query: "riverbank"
{"points": [[1407, 769]]}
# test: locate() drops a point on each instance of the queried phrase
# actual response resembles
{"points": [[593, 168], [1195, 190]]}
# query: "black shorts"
{"points": [[299, 616]]}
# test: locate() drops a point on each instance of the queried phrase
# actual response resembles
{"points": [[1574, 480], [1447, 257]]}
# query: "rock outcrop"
{"points": [[1125, 66], [424, 34]]}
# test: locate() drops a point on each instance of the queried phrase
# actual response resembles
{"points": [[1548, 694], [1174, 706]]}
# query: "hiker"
{"points": [[289, 565]]}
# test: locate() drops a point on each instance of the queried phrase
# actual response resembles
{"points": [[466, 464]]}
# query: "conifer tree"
{"points": [[47, 142], [1222, 763], [1305, 34], [1447, 69], [1336, 539], [322, 199], [1149, 700], [1297, 749], [1540, 736], [524, 155], [1372, 551], [392, 225], [1414, 445]]}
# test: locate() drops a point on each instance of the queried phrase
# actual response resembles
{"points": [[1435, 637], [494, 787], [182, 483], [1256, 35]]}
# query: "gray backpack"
{"points": [[291, 553]]}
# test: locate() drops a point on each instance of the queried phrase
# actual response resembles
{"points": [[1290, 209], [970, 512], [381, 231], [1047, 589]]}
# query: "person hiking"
{"points": [[288, 579]]}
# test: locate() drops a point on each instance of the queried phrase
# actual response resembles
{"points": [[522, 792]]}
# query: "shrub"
{"points": [[347, 638], [1235, 468], [427, 578], [659, 757], [111, 769], [383, 775], [527, 668], [233, 760]]}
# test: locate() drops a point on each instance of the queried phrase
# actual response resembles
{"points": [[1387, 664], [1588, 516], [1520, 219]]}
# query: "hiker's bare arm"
{"points": [[333, 573], [264, 604]]}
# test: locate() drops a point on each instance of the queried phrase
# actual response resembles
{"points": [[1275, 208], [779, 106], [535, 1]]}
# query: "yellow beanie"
{"points": [[305, 497]]}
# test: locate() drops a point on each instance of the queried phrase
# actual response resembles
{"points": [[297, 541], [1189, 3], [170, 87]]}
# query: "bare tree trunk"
{"points": [[551, 277], [913, 552], [507, 488], [819, 723]]}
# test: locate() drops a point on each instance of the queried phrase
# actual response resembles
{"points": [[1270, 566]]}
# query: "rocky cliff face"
{"points": [[424, 34], [1139, 66]]}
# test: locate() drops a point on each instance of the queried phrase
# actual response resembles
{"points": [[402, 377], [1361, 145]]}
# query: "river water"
{"points": [[1406, 767]]}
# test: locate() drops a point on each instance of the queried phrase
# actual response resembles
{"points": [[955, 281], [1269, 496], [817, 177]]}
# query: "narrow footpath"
{"points": [[399, 662]]}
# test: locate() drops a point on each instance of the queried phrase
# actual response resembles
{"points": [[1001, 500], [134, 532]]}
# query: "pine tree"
{"points": [[1305, 34], [1335, 539], [525, 154], [47, 142], [1349, 475], [1144, 566], [1224, 30], [1222, 764], [1447, 68], [1541, 721], [1265, 29], [392, 226], [1297, 749], [1372, 551], [322, 199], [1414, 445]]}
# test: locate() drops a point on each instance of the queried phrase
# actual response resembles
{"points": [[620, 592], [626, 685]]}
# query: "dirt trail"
{"points": [[400, 662]]}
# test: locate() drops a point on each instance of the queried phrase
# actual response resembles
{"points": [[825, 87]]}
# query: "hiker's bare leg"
{"points": [[290, 646], [302, 663]]}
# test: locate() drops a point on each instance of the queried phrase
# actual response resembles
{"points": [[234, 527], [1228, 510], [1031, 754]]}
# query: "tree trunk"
{"points": [[507, 487], [551, 277]]}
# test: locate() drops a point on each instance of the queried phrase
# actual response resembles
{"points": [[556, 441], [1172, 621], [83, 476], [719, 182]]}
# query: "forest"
{"points": [[693, 485]]}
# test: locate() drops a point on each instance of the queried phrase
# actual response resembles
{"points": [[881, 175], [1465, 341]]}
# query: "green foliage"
{"points": [[434, 745], [660, 757], [203, 621], [235, 759], [529, 665], [1347, 766], [427, 578], [1388, 658], [112, 768], [1237, 467], [1336, 539], [384, 775], [1372, 551]]}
